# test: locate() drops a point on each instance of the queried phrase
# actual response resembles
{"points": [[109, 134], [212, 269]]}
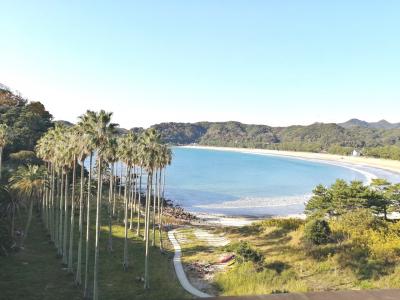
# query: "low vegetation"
{"points": [[346, 242]]}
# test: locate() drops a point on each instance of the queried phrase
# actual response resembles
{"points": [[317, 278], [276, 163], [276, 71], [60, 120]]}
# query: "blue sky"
{"points": [[268, 62]]}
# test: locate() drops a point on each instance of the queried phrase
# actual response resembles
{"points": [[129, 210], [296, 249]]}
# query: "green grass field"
{"points": [[36, 272], [288, 266]]}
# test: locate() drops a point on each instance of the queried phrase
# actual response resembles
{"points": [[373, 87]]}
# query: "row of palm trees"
{"points": [[94, 141]]}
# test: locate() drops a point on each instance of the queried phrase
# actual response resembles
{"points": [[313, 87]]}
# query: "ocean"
{"points": [[244, 184]]}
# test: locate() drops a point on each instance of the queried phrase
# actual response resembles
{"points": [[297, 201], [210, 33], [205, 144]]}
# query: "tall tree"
{"points": [[150, 142], [101, 129], [126, 153], [86, 127], [83, 149], [110, 156]]}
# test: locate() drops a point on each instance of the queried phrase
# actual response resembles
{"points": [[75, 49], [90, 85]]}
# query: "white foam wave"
{"points": [[255, 202]]}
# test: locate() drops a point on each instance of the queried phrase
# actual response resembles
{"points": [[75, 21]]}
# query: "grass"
{"points": [[36, 272], [290, 267]]}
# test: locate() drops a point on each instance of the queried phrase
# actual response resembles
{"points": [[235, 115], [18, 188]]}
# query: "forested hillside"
{"points": [[318, 137], [27, 121]]}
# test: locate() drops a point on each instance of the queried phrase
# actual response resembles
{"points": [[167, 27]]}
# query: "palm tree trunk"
{"points": [[153, 242], [160, 208], [120, 180], [146, 220], [114, 176], [139, 204], [128, 174], [48, 205], [146, 261], [60, 219], [98, 210], [52, 210], [86, 289], [110, 194], [131, 199], [28, 222], [78, 278], [43, 210], [135, 192], [71, 232], [65, 257]]}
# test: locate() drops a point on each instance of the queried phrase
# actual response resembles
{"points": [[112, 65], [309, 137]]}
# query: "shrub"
{"points": [[245, 252], [317, 232]]}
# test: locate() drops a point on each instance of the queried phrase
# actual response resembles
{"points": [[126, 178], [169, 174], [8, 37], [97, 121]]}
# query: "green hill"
{"points": [[317, 137]]}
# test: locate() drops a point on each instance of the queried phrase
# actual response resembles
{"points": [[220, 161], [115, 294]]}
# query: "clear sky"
{"points": [[275, 62]]}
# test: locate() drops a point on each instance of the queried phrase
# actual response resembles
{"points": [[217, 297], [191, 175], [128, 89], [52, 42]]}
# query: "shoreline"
{"points": [[378, 163], [350, 162]]}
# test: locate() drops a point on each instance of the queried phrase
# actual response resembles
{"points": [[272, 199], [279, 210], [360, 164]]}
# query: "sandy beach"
{"points": [[385, 164]]}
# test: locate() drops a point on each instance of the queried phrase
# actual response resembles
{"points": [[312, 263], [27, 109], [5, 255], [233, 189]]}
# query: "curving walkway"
{"points": [[180, 273]]}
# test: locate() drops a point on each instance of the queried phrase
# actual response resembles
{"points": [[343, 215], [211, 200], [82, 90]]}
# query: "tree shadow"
{"points": [[279, 233], [358, 260], [246, 231], [278, 266]]}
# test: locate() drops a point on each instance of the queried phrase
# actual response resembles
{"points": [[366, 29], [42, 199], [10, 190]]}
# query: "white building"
{"points": [[355, 153]]}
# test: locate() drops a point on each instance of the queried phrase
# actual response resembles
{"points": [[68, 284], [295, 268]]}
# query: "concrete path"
{"points": [[389, 294], [211, 239], [180, 273]]}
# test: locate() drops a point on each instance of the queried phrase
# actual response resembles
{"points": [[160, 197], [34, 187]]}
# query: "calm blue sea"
{"points": [[233, 183]]}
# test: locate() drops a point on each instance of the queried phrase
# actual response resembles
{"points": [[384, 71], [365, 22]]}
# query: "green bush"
{"points": [[244, 252], [317, 232]]}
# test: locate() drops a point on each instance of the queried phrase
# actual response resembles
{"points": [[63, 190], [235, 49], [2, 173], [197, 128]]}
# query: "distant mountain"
{"points": [[382, 124], [64, 123], [340, 138], [4, 87], [317, 137]]}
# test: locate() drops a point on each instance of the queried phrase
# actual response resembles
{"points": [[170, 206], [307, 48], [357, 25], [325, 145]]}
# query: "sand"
{"points": [[385, 164]]}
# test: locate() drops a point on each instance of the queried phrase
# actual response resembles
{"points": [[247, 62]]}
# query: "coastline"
{"points": [[379, 163], [350, 162]]}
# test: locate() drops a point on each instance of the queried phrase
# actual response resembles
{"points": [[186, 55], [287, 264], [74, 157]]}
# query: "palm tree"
{"points": [[110, 156], [64, 153], [28, 182], [150, 141], [44, 151], [126, 153], [74, 148], [165, 160], [85, 125], [83, 150], [101, 130], [3, 142]]}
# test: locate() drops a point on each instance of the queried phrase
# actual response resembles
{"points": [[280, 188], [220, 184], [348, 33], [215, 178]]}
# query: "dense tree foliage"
{"points": [[380, 197], [383, 142], [27, 121], [317, 231]]}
